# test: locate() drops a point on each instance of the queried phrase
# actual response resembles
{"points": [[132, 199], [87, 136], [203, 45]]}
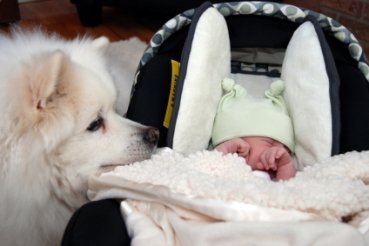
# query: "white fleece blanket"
{"points": [[210, 199]]}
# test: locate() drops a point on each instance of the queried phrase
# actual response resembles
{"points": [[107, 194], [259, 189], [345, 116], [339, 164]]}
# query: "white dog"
{"points": [[57, 128]]}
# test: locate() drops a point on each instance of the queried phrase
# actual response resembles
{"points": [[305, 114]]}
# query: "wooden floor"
{"points": [[60, 16]]}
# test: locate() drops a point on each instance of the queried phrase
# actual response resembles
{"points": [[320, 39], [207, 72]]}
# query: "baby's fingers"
{"points": [[264, 160], [268, 159], [280, 152], [272, 159], [243, 149]]}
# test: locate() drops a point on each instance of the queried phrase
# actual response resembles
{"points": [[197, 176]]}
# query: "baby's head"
{"points": [[241, 115]]}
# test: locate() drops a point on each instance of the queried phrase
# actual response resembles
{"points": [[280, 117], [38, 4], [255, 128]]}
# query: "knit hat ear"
{"points": [[241, 115]]}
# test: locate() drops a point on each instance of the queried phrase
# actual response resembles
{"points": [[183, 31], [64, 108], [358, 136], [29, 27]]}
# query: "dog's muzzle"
{"points": [[151, 136]]}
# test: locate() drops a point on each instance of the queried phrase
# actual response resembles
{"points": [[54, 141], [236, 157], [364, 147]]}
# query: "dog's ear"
{"points": [[39, 84], [50, 73], [100, 43]]}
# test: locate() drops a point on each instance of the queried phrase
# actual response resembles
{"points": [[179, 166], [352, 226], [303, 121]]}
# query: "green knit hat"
{"points": [[240, 115]]}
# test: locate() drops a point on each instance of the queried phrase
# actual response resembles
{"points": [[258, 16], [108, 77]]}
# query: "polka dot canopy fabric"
{"points": [[275, 10]]}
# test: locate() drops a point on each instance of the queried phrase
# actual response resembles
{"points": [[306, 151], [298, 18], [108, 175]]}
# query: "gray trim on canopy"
{"points": [[271, 9]]}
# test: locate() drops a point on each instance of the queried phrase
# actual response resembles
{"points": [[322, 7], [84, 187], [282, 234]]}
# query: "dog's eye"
{"points": [[96, 124]]}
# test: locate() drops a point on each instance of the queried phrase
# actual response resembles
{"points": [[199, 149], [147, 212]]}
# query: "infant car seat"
{"points": [[178, 82]]}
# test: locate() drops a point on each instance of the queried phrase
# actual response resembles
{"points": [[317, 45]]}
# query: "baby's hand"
{"points": [[275, 157], [278, 159], [236, 145]]}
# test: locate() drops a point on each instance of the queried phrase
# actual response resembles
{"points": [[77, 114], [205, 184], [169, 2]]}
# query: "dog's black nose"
{"points": [[151, 135]]}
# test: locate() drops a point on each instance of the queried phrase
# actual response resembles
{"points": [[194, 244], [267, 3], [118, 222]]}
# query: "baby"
{"points": [[259, 130]]}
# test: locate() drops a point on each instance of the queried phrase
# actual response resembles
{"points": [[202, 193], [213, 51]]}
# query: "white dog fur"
{"points": [[58, 127], [124, 57]]}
